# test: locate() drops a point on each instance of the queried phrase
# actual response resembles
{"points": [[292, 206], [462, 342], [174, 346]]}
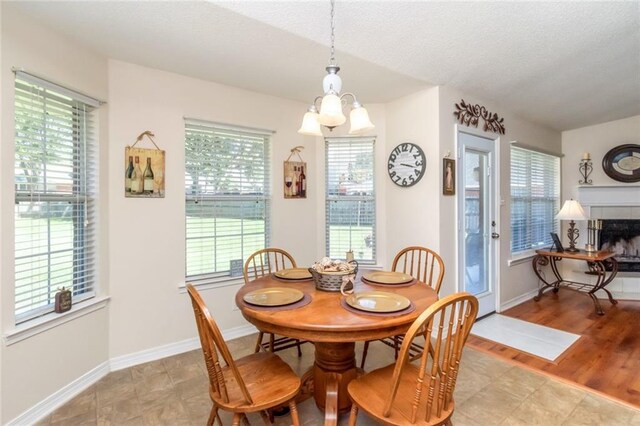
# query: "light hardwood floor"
{"points": [[607, 356], [173, 391]]}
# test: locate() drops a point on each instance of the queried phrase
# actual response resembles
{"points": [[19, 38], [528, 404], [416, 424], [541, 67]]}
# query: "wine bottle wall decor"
{"points": [[143, 170], [295, 176]]}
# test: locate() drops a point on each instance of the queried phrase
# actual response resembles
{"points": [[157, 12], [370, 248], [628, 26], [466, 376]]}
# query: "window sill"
{"points": [[212, 284], [521, 258], [47, 322]]}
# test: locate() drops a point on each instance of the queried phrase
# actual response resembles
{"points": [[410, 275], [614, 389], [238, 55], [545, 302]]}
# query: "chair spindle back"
{"points": [[422, 264], [212, 344], [448, 322], [265, 262]]}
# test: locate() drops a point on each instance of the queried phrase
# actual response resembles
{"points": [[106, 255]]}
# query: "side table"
{"points": [[597, 263]]}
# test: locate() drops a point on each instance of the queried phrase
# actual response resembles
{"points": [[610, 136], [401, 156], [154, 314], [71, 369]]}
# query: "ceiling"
{"points": [[561, 64]]}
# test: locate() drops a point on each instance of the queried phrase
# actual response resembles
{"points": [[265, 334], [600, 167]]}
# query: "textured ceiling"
{"points": [[562, 64]]}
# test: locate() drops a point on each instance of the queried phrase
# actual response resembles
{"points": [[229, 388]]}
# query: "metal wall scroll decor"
{"points": [[470, 115]]}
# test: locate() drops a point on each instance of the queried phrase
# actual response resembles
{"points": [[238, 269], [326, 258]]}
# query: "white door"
{"points": [[477, 219]]}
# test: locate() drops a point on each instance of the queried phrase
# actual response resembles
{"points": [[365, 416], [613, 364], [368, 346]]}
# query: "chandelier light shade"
{"points": [[360, 121], [331, 111], [310, 123], [332, 102]]}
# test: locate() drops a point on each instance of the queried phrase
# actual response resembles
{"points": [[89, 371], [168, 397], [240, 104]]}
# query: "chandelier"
{"points": [[332, 102]]}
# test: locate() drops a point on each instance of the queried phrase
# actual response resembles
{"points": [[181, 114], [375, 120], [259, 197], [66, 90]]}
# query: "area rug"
{"points": [[544, 342]]}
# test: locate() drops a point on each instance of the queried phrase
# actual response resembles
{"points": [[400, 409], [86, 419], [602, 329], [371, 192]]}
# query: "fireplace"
{"points": [[622, 236]]}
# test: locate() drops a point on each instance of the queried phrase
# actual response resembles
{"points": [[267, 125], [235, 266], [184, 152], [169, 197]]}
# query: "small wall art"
{"points": [[295, 175], [448, 176], [144, 170]]}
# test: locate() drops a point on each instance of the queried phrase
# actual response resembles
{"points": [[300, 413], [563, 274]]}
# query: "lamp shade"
{"points": [[360, 122], [310, 124], [571, 210], [331, 111]]}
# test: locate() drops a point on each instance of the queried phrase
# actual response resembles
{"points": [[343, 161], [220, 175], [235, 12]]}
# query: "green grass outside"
{"points": [[204, 253]]}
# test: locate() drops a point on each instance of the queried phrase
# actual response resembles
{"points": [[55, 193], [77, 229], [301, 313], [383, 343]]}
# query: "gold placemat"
{"points": [[345, 305], [300, 303]]}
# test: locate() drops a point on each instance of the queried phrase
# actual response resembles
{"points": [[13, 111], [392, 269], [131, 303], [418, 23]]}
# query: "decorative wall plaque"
{"points": [[470, 115], [144, 170]]}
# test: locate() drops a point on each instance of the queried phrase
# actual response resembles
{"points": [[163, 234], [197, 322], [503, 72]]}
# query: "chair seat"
{"points": [[269, 380], [370, 392]]}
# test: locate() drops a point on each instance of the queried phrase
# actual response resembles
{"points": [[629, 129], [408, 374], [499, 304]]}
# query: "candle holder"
{"points": [[585, 168], [593, 238]]}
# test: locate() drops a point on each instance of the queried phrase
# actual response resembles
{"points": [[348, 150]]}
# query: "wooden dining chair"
{"points": [[424, 265], [265, 262], [408, 393], [255, 383]]}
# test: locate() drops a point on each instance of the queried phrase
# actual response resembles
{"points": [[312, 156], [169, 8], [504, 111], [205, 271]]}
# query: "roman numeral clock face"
{"points": [[406, 164]]}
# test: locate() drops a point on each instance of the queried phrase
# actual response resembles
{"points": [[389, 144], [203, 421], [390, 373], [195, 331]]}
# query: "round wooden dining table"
{"points": [[334, 330]]}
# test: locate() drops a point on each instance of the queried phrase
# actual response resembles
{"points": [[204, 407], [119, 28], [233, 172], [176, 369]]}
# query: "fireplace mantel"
{"points": [[609, 195]]}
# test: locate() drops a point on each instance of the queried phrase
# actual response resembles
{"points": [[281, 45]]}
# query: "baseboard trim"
{"points": [[518, 300], [60, 397], [68, 392], [152, 354]]}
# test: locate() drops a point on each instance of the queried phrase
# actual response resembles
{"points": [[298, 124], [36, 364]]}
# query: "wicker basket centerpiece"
{"points": [[328, 274]]}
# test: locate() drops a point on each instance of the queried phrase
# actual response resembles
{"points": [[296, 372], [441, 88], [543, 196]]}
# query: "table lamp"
{"points": [[572, 210]]}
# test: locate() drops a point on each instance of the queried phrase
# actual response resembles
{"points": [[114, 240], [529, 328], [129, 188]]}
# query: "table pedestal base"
{"points": [[334, 368]]}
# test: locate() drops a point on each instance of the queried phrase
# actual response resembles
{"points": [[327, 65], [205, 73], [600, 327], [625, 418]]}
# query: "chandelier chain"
{"points": [[333, 35]]}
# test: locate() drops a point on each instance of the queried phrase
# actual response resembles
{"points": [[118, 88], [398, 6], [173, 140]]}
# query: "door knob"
{"points": [[495, 235]]}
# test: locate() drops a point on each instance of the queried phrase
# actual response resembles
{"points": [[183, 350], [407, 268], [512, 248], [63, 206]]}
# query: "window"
{"points": [[227, 198], [535, 198], [55, 194], [350, 198]]}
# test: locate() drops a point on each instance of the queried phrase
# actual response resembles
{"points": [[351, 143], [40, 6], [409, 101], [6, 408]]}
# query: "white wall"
{"points": [[518, 279], [597, 140], [412, 213], [147, 239], [74, 348]]}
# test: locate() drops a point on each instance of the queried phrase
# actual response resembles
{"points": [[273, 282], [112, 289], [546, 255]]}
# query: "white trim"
{"points": [[30, 77], [608, 195], [495, 204], [46, 322], [520, 258], [60, 397], [211, 285], [517, 300], [164, 351], [68, 392], [233, 127]]}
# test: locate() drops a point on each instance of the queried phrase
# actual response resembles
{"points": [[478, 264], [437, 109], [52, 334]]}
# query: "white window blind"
{"points": [[55, 194], [535, 198], [227, 197], [350, 198]]}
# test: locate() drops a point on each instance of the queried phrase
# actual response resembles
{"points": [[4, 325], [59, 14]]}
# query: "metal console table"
{"points": [[597, 263]]}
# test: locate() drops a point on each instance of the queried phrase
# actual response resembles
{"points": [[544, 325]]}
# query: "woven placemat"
{"points": [[300, 303], [344, 304], [409, 284]]}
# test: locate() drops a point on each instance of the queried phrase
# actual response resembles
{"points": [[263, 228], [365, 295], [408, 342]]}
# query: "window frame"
{"points": [[372, 199], [518, 255], [82, 196], [191, 199]]}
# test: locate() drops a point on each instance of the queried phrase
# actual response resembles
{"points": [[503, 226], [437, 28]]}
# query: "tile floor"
{"points": [[174, 391]]}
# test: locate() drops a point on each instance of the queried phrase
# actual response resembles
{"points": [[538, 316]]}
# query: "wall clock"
{"points": [[406, 164], [622, 163]]}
